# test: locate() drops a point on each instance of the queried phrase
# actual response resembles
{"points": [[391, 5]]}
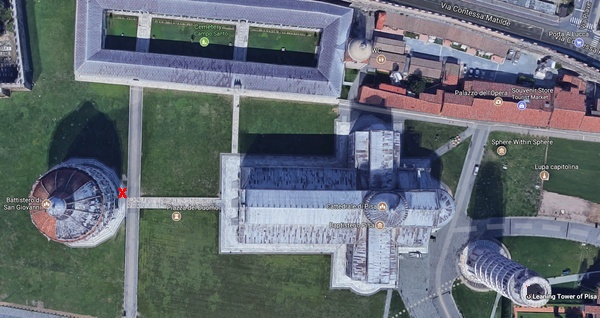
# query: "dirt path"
{"points": [[565, 207]]}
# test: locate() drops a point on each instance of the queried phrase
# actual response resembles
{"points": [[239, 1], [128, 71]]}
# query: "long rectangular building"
{"points": [[94, 63]]}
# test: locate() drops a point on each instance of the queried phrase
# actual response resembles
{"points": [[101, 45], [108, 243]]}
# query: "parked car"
{"points": [[470, 72], [476, 170], [415, 254], [477, 72]]}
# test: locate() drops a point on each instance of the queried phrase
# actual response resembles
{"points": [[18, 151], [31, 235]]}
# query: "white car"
{"points": [[476, 170]]}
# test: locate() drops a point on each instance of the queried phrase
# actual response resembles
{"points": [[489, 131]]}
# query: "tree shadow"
{"points": [[593, 280], [487, 199], [87, 133]]}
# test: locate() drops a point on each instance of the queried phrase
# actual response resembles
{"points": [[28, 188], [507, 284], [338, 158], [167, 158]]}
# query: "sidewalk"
{"points": [[449, 145]]}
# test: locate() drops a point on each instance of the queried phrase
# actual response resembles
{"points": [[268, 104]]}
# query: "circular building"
{"points": [[359, 50], [76, 203], [485, 263]]}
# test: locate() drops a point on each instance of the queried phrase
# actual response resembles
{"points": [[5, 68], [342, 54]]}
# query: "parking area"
{"points": [[488, 70]]}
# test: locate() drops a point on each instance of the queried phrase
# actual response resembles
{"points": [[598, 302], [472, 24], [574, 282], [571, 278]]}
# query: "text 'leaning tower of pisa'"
{"points": [[486, 264]]}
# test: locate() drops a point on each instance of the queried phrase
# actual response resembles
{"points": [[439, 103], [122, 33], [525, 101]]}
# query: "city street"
{"points": [[528, 26]]}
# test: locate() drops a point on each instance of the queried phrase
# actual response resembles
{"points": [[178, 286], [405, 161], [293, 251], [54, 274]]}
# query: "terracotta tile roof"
{"points": [[479, 108], [437, 98], [590, 124], [576, 81], [507, 91], [451, 74], [458, 111], [378, 97], [444, 31], [591, 309], [569, 99], [566, 119], [389, 45], [508, 112], [392, 88], [450, 97], [45, 223], [381, 17], [392, 60], [458, 106], [427, 68]]}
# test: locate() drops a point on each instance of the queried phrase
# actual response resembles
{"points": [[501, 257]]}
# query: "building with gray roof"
{"points": [[364, 209], [95, 64]]}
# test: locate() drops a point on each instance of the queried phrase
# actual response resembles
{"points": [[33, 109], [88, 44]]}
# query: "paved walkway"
{"points": [[143, 33], [539, 227], [570, 278], [240, 49], [235, 124], [496, 302], [174, 203], [450, 145], [445, 269], [132, 218], [388, 302]]}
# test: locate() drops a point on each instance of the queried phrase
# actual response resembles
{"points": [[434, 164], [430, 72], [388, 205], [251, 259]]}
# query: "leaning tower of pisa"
{"points": [[485, 264]]}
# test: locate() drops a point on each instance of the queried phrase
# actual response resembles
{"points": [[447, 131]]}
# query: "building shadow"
{"points": [[287, 144], [181, 48], [412, 148], [487, 196], [29, 35], [282, 57], [87, 133]]}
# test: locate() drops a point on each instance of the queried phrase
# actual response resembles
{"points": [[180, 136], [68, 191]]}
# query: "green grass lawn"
{"points": [[397, 306], [345, 91], [121, 24], [549, 256], [509, 192], [177, 30], [275, 39], [473, 304], [421, 138], [38, 129], [184, 133], [452, 164], [582, 182], [286, 127], [350, 74], [182, 275]]}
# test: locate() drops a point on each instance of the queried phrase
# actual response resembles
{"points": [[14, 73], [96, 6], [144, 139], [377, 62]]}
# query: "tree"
{"points": [[6, 17], [416, 83]]}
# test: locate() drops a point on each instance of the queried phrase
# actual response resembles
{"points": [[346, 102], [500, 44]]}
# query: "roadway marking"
{"points": [[595, 40], [450, 284]]}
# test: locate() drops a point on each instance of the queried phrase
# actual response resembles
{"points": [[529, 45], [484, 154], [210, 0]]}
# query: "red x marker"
{"points": [[122, 193]]}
